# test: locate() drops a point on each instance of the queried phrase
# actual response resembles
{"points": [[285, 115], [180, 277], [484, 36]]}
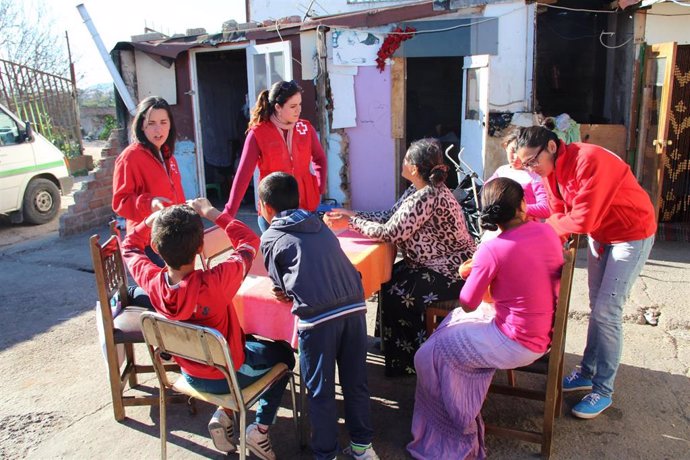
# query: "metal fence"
{"points": [[48, 101]]}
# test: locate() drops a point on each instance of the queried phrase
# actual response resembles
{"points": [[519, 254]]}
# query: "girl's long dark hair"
{"points": [[138, 135]]}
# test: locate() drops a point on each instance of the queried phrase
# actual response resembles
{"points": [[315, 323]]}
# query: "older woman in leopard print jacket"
{"points": [[428, 227]]}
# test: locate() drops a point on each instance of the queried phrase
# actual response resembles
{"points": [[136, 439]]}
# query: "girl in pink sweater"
{"points": [[455, 366], [535, 195]]}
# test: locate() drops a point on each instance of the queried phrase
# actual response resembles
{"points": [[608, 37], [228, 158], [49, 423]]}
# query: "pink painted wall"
{"points": [[372, 160]]}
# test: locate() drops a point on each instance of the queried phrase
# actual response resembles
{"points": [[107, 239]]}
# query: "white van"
{"points": [[32, 172]]}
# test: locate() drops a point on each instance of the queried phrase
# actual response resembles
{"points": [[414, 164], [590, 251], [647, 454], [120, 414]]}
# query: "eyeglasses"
{"points": [[534, 161]]}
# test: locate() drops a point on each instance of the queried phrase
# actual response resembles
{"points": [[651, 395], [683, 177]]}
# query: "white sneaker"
{"points": [[368, 454], [258, 443], [222, 431]]}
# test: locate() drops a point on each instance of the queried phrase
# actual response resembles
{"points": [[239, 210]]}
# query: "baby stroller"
{"points": [[467, 193]]}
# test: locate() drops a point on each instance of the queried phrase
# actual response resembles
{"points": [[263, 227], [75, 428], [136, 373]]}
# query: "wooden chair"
{"points": [[121, 330], [550, 365], [216, 243], [435, 313], [207, 346]]}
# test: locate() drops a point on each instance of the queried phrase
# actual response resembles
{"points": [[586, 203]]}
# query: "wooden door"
{"points": [[654, 119]]}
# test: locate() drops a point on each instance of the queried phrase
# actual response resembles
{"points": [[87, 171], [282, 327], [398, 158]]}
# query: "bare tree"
{"points": [[28, 36]]}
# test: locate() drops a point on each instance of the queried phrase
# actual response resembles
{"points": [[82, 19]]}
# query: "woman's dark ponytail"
{"points": [[438, 175], [501, 200], [261, 110]]}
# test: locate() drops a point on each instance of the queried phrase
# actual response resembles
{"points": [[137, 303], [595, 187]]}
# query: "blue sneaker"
{"points": [[591, 405], [575, 381]]}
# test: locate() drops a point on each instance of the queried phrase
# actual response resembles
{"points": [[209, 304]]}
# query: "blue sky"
{"points": [[119, 20]]}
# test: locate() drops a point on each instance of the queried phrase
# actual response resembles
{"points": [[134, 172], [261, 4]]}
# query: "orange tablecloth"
{"points": [[261, 314]]}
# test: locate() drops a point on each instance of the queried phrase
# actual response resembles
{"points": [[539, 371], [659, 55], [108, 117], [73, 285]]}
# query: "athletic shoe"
{"points": [[258, 443], [575, 381], [222, 432], [591, 405], [368, 454]]}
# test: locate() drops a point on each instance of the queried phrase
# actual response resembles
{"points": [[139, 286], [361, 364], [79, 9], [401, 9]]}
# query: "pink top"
{"points": [[535, 195], [523, 267]]}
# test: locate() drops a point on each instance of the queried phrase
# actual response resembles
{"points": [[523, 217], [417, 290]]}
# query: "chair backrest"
{"points": [[216, 242], [563, 302], [111, 277], [200, 344]]}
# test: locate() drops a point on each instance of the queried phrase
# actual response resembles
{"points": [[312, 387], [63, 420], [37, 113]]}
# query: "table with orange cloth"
{"points": [[260, 313]]}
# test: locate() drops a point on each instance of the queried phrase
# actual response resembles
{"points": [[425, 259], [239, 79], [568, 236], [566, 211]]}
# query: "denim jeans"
{"points": [[612, 271], [260, 357]]}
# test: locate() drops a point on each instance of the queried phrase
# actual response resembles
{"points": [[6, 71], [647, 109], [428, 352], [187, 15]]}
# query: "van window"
{"points": [[9, 131]]}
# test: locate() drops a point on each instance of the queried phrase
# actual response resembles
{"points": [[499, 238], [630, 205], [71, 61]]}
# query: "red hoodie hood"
{"points": [[178, 302]]}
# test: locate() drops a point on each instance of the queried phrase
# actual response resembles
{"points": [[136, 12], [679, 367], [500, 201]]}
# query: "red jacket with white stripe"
{"points": [[592, 191]]}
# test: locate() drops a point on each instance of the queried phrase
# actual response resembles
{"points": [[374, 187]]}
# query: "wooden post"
{"points": [[398, 115], [75, 97]]}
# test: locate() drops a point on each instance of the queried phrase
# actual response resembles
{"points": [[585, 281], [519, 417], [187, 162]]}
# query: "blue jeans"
{"points": [[259, 357], [612, 270], [342, 341]]}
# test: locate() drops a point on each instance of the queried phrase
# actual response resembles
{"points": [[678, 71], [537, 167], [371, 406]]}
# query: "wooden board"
{"points": [[611, 137]]}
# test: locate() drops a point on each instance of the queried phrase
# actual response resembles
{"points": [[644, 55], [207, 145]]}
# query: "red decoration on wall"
{"points": [[391, 44]]}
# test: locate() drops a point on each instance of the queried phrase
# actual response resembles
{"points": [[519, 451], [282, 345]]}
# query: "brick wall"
{"points": [[93, 203]]}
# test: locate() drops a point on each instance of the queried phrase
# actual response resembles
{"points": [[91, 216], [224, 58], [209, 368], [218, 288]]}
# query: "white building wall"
{"points": [[511, 70], [673, 27], [260, 10]]}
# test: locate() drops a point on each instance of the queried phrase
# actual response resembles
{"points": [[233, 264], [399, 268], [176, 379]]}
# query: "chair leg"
{"points": [[115, 384], [129, 353], [243, 433], [511, 377], [163, 424], [295, 413]]}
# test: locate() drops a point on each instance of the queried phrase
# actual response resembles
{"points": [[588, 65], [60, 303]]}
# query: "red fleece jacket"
{"points": [[138, 178], [202, 297], [592, 191]]}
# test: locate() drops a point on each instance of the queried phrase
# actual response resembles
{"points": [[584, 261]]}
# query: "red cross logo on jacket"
{"points": [[301, 127]]}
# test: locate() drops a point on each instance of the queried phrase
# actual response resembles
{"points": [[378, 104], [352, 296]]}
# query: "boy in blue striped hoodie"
{"points": [[310, 270]]}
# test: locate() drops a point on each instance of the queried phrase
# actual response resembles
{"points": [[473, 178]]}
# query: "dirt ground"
{"points": [[15, 233]]}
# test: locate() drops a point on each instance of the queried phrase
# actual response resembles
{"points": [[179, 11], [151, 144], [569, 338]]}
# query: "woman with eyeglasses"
{"points": [[592, 191], [279, 140], [456, 365], [535, 195]]}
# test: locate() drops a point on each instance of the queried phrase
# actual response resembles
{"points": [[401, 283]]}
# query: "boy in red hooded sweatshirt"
{"points": [[181, 293]]}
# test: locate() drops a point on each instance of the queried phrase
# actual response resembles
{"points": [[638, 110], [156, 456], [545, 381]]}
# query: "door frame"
{"points": [[470, 127], [653, 183], [196, 111]]}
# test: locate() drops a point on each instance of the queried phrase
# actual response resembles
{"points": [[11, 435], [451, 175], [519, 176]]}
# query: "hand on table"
{"points": [[338, 218], [280, 295]]}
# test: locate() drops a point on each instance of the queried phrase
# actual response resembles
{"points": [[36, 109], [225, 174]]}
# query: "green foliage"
{"points": [[97, 96], [109, 124]]}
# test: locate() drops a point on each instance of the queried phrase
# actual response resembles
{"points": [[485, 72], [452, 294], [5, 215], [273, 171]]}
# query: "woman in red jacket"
{"points": [[279, 140], [592, 191], [146, 176]]}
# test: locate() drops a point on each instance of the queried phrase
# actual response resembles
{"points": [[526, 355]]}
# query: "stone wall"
{"points": [[93, 203]]}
